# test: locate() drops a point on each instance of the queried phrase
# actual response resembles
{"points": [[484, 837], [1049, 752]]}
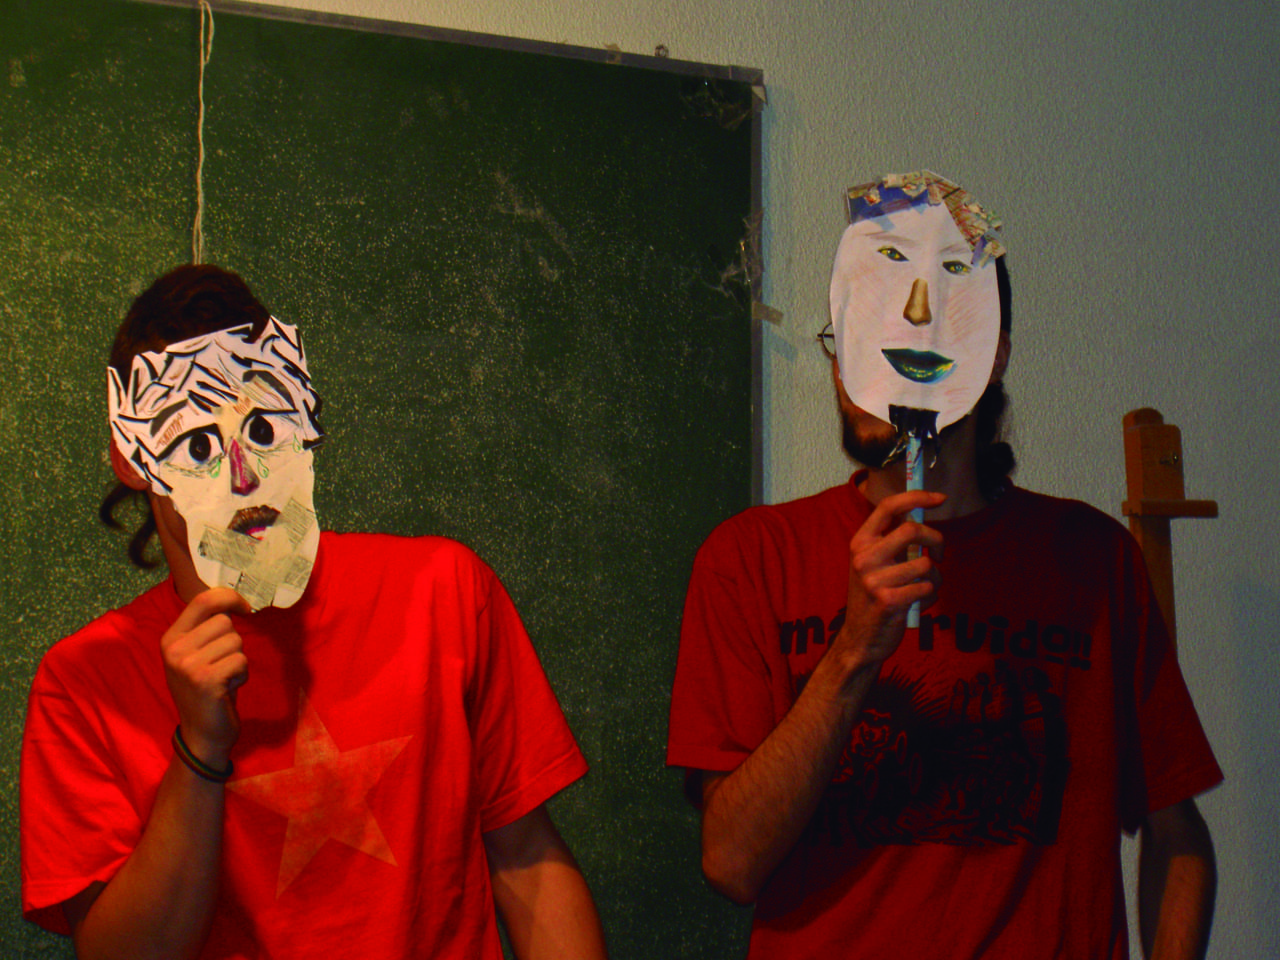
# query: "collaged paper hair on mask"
{"points": [[896, 191], [206, 372]]}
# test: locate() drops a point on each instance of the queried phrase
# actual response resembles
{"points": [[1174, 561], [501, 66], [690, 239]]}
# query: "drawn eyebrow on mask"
{"points": [[272, 381], [158, 422], [208, 378], [894, 238]]}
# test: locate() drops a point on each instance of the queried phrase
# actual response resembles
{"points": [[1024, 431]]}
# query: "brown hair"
{"points": [[995, 459], [185, 303]]}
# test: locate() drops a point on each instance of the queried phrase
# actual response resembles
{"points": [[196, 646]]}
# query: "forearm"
{"points": [[754, 816], [549, 914], [1177, 884], [540, 893], [160, 903]]}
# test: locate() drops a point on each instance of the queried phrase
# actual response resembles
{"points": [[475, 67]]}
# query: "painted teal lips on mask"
{"points": [[920, 366]]}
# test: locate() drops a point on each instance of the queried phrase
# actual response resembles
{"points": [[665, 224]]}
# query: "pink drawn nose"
{"points": [[243, 480]]}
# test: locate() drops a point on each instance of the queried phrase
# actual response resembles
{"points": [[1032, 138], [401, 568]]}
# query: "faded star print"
{"points": [[323, 795]]}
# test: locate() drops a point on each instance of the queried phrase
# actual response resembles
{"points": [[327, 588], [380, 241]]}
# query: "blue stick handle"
{"points": [[915, 481]]}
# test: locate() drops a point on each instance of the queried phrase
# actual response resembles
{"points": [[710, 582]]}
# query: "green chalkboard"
{"points": [[521, 277]]}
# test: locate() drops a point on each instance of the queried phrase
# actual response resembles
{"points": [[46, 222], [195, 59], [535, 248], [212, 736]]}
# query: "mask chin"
{"points": [[270, 567]]}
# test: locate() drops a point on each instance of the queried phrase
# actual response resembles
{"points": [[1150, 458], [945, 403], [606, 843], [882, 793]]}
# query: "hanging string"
{"points": [[206, 51]]}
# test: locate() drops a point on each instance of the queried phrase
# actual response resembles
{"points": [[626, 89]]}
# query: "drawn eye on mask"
{"points": [[197, 451]]}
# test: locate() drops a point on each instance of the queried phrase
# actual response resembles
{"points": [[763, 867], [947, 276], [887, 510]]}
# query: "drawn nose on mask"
{"points": [[917, 309], [243, 480]]}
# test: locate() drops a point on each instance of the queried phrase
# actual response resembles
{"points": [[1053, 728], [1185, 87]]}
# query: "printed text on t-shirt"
{"points": [[1051, 642]]}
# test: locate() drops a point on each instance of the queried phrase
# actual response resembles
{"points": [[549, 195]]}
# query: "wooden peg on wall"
{"points": [[1153, 470]]}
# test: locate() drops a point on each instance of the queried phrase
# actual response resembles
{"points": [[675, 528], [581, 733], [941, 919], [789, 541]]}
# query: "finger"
{"points": [[209, 604], [899, 599], [238, 679], [905, 571], [910, 533], [177, 646], [875, 529], [889, 548], [192, 655], [885, 585], [216, 626], [218, 648], [213, 681], [886, 579], [230, 671], [889, 510]]}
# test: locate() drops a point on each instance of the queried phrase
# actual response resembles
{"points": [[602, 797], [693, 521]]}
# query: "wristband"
{"points": [[195, 764]]}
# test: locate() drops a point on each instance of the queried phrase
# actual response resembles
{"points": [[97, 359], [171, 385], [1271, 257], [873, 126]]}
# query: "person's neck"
{"points": [[172, 533], [186, 581], [954, 472]]}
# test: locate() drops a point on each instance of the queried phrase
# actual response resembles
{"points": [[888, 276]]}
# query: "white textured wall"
{"points": [[1131, 148]]}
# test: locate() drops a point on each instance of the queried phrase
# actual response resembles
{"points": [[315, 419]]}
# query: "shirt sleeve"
{"points": [[525, 751], [1168, 758], [726, 696], [78, 824]]}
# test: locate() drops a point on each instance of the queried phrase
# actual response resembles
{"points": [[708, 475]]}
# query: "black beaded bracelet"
{"points": [[195, 764]]}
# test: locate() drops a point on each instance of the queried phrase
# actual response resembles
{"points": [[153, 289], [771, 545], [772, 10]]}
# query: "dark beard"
{"points": [[884, 448], [874, 452]]}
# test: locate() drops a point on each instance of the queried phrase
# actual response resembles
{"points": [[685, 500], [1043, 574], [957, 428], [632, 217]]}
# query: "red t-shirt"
{"points": [[391, 717], [977, 810]]}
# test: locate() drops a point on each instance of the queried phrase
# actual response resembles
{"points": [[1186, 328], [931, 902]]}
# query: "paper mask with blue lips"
{"points": [[914, 302]]}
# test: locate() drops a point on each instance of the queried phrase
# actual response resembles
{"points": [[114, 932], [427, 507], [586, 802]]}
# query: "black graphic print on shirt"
{"points": [[985, 762]]}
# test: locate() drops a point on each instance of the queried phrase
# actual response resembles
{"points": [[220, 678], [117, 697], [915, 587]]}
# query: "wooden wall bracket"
{"points": [[1153, 472]]}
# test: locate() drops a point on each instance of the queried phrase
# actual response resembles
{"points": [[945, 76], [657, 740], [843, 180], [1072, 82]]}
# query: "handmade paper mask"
{"points": [[225, 425], [914, 303]]}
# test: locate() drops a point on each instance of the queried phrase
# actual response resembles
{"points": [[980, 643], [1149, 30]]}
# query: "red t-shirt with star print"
{"points": [[392, 716]]}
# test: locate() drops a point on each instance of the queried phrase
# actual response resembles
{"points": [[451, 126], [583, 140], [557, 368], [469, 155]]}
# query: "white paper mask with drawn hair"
{"points": [[914, 302], [225, 425]]}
